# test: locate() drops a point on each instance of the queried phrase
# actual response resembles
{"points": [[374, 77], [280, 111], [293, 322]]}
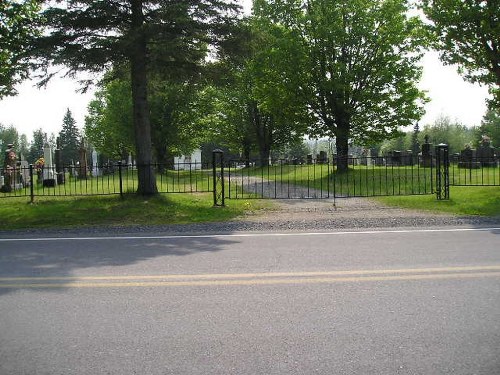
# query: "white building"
{"points": [[188, 162]]}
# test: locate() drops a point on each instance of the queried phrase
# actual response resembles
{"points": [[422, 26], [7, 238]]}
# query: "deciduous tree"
{"points": [[17, 28], [468, 34], [358, 63], [490, 126]]}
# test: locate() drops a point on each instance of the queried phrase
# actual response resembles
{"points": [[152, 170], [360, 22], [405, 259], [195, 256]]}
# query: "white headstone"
{"points": [[95, 168], [25, 172], [48, 167]]}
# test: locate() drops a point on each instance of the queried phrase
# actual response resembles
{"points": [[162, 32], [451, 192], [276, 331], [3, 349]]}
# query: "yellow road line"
{"points": [[242, 282], [255, 275]]}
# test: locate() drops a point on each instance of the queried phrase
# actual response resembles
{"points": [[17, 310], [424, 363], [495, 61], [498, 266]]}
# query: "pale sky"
{"points": [[45, 108]]}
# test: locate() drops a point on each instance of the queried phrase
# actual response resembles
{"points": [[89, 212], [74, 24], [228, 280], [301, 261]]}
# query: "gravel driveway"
{"points": [[305, 214], [318, 214]]}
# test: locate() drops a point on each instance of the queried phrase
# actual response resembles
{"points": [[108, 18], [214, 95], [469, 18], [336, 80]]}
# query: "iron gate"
{"points": [[321, 179]]}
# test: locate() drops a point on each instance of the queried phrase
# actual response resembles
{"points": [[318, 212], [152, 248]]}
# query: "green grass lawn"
{"points": [[470, 200], [111, 210], [52, 211], [357, 181]]}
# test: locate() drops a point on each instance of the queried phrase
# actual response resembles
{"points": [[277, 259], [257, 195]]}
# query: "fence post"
{"points": [[120, 177], [218, 178], [32, 182], [442, 172]]}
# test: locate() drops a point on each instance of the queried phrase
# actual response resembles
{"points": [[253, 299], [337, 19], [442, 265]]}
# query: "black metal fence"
{"points": [[475, 171], [281, 179], [364, 177], [391, 175], [106, 179]]}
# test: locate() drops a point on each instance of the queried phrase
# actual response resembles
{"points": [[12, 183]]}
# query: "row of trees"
{"points": [[445, 130], [69, 140], [178, 72]]}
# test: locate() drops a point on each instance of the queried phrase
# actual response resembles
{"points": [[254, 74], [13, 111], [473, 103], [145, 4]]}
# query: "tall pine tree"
{"points": [[69, 138], [141, 35], [36, 146]]}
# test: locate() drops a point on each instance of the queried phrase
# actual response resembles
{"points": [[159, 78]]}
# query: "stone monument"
{"points": [[485, 153], [9, 169], [82, 168], [95, 163], [48, 174], [426, 160], [59, 163]]}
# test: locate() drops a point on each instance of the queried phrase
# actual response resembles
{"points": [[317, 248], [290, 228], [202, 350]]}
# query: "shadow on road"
{"points": [[66, 258]]}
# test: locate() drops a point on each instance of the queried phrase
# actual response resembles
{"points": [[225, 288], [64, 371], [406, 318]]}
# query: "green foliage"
{"points": [[8, 135], [401, 142], [23, 145], [36, 145], [165, 37], [443, 130], [175, 118], [358, 64], [17, 27], [69, 139], [490, 126], [468, 34], [455, 135], [254, 112], [296, 150], [109, 124], [174, 115]]}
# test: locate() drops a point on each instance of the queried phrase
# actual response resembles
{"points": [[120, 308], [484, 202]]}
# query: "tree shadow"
{"points": [[65, 258]]}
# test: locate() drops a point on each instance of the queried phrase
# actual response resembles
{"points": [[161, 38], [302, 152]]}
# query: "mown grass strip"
{"points": [[49, 212], [464, 200]]}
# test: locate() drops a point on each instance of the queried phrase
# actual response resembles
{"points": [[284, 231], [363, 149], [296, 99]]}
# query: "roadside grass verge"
{"points": [[53, 212], [470, 200]]}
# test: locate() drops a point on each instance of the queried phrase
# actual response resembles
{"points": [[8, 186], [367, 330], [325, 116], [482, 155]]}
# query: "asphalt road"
{"points": [[372, 302]]}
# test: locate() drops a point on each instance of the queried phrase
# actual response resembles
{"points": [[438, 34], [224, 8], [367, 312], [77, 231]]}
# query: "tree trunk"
{"points": [[342, 144], [261, 124], [246, 152], [161, 158], [142, 126]]}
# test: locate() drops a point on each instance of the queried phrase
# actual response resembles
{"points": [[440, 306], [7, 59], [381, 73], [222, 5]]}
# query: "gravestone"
{"points": [[395, 157], [485, 153], [407, 158], [130, 162], [59, 163], [468, 159], [24, 170], [376, 158], [426, 160], [82, 166], [73, 171], [322, 158], [9, 170], [48, 173], [95, 166], [369, 160]]}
